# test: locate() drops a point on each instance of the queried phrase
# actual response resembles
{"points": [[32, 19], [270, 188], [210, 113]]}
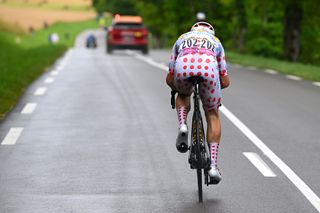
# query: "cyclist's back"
{"points": [[199, 53]]}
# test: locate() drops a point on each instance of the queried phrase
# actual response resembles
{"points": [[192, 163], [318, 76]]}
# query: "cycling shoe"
{"points": [[214, 175], [182, 139]]}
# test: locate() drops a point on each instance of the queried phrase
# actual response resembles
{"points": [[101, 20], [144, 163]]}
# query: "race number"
{"points": [[195, 43]]}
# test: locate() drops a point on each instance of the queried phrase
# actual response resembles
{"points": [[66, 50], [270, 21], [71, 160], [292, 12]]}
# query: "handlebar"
{"points": [[173, 99]]}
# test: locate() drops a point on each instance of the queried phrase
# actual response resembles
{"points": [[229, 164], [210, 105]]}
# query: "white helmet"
{"points": [[203, 26]]}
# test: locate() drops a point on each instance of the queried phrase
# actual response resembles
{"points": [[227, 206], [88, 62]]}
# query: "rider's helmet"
{"points": [[203, 26]]}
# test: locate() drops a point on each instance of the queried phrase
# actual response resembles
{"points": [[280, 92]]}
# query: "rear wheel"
{"points": [[199, 177], [145, 50], [199, 136]]}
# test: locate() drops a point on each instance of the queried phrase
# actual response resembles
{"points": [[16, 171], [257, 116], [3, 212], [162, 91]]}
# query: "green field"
{"points": [[26, 56], [47, 6], [308, 72]]}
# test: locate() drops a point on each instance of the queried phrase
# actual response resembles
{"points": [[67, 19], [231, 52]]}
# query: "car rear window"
{"points": [[128, 26]]}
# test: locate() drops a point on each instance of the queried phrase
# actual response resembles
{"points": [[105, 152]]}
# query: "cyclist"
{"points": [[199, 53]]}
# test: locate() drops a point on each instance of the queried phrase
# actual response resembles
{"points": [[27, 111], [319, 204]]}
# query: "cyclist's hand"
{"points": [[224, 81]]}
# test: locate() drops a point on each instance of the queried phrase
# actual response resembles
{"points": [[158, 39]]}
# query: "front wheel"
{"points": [[199, 177]]}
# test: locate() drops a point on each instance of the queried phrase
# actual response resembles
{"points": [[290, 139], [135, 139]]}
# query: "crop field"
{"points": [[35, 14]]}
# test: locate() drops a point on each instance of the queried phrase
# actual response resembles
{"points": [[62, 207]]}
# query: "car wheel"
{"points": [[109, 49], [145, 50]]}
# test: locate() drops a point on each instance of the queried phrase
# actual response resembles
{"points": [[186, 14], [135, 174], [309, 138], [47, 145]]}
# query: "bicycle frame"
{"points": [[198, 150]]}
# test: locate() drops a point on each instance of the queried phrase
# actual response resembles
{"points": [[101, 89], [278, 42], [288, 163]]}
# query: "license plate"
{"points": [[128, 38]]}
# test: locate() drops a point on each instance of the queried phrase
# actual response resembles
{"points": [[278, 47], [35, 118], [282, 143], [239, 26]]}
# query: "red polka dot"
{"points": [[206, 74], [208, 60], [214, 99], [185, 60], [211, 82], [206, 67], [178, 75], [184, 67], [184, 74], [191, 73], [212, 91], [192, 60], [208, 99], [219, 66], [218, 59], [215, 84], [191, 67], [199, 73], [200, 60], [199, 67], [212, 76]]}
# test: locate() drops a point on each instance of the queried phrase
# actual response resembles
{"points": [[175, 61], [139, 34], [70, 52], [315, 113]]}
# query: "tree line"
{"points": [[283, 29]]}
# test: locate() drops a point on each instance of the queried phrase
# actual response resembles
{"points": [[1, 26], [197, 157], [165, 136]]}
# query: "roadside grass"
{"points": [[22, 63], [308, 72], [48, 6]]}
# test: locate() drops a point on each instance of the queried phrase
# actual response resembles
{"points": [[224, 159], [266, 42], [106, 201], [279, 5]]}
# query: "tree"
{"points": [[292, 30]]}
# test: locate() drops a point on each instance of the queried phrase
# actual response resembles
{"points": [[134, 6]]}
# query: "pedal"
{"points": [[213, 181]]}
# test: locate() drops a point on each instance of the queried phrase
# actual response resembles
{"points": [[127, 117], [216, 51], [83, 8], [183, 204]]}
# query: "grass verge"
{"points": [[22, 62], [308, 72]]}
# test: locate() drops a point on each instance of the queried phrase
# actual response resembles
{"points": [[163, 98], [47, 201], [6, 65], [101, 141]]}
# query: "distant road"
{"points": [[96, 133]]}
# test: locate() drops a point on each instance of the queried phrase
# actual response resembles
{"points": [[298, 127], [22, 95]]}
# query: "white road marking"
{"points": [[255, 159], [270, 71], [293, 77], [252, 68], [49, 80], [152, 62], [54, 72], [237, 65], [60, 67], [40, 91], [291, 175], [12, 136], [316, 83], [29, 108]]}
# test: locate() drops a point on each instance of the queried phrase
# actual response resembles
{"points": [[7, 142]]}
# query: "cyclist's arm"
{"points": [[170, 83], [172, 61], [223, 72]]}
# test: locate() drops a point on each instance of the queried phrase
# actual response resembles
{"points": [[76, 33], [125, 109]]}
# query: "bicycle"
{"points": [[199, 157]]}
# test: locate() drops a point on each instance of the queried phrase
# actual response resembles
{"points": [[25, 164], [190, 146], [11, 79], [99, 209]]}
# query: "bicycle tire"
{"points": [[199, 177], [199, 157]]}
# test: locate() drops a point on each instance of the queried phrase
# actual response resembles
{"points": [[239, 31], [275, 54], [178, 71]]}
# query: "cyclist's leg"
{"points": [[211, 97], [214, 126], [213, 135], [213, 138], [183, 106]]}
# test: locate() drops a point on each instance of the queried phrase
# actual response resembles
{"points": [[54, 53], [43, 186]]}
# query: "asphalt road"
{"points": [[99, 136]]}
